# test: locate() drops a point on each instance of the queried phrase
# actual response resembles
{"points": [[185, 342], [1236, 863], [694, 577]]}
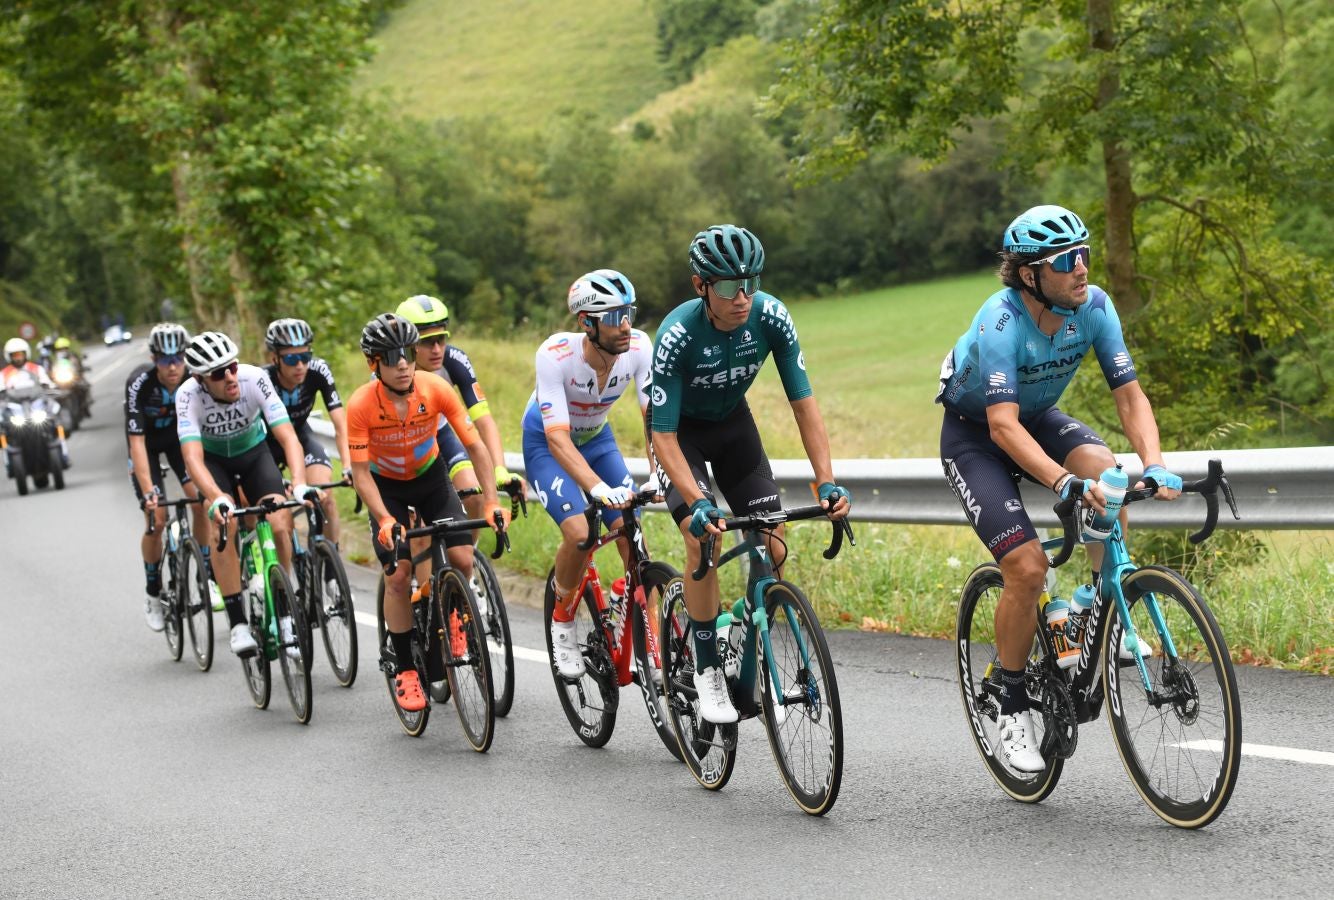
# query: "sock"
{"points": [[153, 577], [566, 603], [1014, 696], [208, 558], [706, 644], [402, 643], [235, 611]]}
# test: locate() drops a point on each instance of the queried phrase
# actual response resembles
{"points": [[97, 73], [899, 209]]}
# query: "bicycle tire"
{"points": [[337, 616], [412, 723], [255, 667], [644, 619], [590, 703], [975, 652], [495, 618], [806, 737], [469, 672], [1182, 756], [708, 750], [169, 599], [197, 602], [295, 668]]}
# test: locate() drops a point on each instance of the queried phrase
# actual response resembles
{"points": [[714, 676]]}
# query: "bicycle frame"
{"points": [[621, 651], [259, 553]]}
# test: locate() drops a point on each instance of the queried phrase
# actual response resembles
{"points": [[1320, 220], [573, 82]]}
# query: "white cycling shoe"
{"points": [[715, 704], [1018, 743], [288, 632], [153, 612], [242, 641], [565, 648], [1126, 654]]}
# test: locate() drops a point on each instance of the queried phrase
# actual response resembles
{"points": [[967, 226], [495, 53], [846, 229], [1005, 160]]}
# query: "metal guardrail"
{"points": [[1275, 489]]}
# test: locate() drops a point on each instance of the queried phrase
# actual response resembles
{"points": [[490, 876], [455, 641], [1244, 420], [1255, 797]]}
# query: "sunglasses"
{"points": [[292, 359], [173, 359], [728, 288], [221, 374], [432, 340], [1066, 260], [614, 317], [394, 355]]}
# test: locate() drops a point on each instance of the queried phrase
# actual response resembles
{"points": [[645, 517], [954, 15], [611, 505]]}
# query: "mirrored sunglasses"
{"points": [[614, 317], [1066, 260], [394, 355], [221, 374], [727, 288], [292, 359], [169, 359]]}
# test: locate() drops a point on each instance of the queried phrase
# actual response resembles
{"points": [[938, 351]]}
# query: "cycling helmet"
{"points": [[62, 343], [600, 291], [726, 251], [288, 333], [1044, 228], [387, 331], [424, 311], [17, 345], [208, 351], [167, 339]]}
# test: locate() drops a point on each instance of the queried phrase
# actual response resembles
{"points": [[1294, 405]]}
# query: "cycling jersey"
{"points": [[300, 400], [703, 373], [27, 375], [403, 448], [567, 397], [459, 372], [1004, 358], [229, 429], [150, 409]]}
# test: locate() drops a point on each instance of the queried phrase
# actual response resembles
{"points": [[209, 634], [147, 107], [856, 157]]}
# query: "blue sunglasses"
{"points": [[291, 359], [1066, 260], [169, 359]]}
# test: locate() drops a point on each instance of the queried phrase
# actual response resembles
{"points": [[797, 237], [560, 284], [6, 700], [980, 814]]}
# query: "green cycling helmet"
{"points": [[726, 251], [424, 311]]}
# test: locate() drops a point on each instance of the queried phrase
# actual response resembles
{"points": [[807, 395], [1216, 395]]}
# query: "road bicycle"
{"points": [[185, 595], [591, 701], [277, 615], [448, 641], [319, 568], [1166, 674], [771, 643]]}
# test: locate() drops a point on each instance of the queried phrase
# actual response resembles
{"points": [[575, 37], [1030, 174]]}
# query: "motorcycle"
{"points": [[32, 438], [76, 398]]}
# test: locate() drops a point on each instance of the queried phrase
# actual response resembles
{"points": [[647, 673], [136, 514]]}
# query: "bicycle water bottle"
{"points": [[1080, 604], [1057, 612], [1113, 483], [616, 612], [174, 536]]}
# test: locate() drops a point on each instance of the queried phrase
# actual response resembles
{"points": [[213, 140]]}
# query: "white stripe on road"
{"points": [[1314, 757], [538, 656]]}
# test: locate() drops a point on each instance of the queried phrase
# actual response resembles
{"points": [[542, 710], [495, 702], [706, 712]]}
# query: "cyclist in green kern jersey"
{"points": [[999, 386], [706, 356]]}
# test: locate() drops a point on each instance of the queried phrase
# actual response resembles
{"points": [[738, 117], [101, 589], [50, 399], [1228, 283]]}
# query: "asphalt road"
{"points": [[125, 774]]}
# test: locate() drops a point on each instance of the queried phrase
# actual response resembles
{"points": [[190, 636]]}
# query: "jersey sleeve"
{"points": [[669, 352], [461, 372], [998, 336], [1109, 342], [135, 422], [641, 362], [358, 423], [781, 333], [444, 400], [270, 404], [550, 395], [188, 403], [326, 385]]}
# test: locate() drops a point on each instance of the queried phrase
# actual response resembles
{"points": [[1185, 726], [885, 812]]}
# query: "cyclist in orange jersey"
{"points": [[391, 435]]}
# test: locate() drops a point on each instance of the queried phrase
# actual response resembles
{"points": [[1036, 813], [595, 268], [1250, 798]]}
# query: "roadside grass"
{"points": [[874, 359]]}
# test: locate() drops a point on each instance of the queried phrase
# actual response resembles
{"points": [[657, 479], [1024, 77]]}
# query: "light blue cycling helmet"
{"points": [[726, 251], [288, 333], [599, 291], [167, 339], [1044, 228]]}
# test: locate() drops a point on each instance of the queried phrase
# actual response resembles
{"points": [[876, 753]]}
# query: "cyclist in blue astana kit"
{"points": [[568, 445], [222, 416], [150, 435], [300, 376], [999, 386], [706, 356]]}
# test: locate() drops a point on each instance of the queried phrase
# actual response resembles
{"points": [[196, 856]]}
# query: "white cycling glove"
{"points": [[612, 496]]}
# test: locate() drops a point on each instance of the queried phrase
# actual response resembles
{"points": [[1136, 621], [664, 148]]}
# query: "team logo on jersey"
{"points": [[1121, 359], [745, 337], [1068, 427], [710, 351], [997, 379], [1014, 505], [1071, 329], [421, 409], [801, 361], [562, 344], [659, 396]]}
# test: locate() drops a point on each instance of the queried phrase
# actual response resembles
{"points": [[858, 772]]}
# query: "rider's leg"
{"points": [[318, 473]]}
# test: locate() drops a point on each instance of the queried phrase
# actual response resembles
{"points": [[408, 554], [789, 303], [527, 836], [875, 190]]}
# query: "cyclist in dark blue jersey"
{"points": [[999, 386]]}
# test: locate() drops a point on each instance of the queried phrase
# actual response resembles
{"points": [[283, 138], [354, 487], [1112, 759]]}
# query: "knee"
{"points": [[1025, 569]]}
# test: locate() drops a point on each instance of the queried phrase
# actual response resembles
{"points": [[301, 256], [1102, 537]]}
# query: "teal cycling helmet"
{"points": [[1044, 228], [726, 251]]}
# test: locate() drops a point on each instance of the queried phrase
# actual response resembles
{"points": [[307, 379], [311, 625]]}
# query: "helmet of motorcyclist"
{"points": [[14, 347]]}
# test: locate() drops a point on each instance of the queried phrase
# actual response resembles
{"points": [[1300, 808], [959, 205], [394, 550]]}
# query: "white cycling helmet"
{"points": [[208, 351], [17, 345], [600, 291]]}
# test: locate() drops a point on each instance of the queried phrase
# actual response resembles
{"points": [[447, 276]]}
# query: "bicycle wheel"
{"points": [[590, 701], [413, 723], [644, 618], [805, 724], [1182, 746], [978, 667], [467, 659], [294, 647], [708, 750], [258, 678], [491, 604], [336, 614], [170, 598], [198, 605]]}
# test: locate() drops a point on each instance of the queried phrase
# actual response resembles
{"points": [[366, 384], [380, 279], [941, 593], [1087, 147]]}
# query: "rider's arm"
{"points": [[1011, 436], [365, 487], [338, 416], [463, 376], [1141, 428], [333, 404], [570, 459], [192, 448], [360, 412], [193, 453], [444, 400], [490, 434], [673, 463], [816, 441], [293, 452], [139, 460]]}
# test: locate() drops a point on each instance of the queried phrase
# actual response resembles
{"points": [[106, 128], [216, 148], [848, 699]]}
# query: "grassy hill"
{"points": [[519, 61]]}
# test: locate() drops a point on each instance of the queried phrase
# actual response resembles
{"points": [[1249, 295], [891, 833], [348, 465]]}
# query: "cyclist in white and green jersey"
{"points": [[222, 416], [706, 356]]}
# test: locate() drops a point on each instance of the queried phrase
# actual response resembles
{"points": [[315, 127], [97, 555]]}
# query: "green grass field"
{"points": [[874, 359], [517, 61]]}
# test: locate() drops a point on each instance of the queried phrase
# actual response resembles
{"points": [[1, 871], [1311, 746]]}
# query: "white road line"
{"points": [[538, 656], [1313, 757]]}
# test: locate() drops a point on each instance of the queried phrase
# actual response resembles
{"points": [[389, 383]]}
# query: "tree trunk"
{"points": [[1121, 199]]}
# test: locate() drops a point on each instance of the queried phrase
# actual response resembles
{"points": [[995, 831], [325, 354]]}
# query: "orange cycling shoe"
{"points": [[458, 641], [408, 691]]}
